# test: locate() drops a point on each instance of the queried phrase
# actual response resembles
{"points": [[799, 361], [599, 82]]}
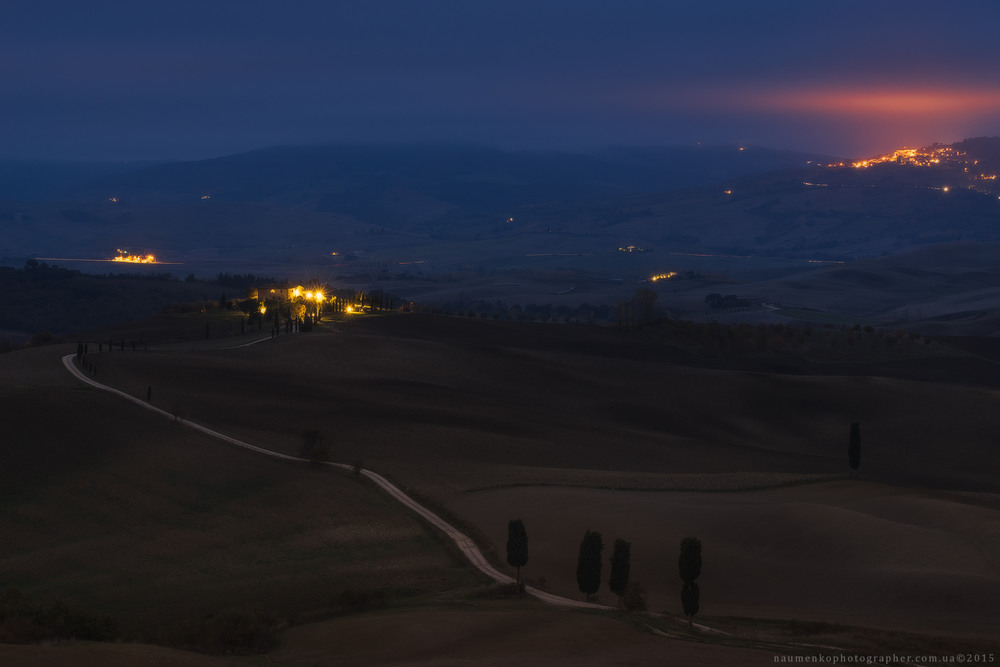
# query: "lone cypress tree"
{"points": [[517, 546], [588, 565], [689, 565], [854, 448], [620, 567]]}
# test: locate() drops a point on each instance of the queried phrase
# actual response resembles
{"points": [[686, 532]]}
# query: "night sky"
{"points": [[128, 80]]}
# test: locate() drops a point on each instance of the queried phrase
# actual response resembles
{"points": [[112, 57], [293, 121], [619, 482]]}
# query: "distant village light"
{"points": [[126, 256]]}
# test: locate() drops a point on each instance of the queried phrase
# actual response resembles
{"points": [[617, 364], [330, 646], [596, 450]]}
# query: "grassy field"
{"points": [[569, 428], [156, 525], [851, 553], [450, 405]]}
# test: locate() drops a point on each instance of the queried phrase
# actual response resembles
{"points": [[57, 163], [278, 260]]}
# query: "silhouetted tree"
{"points": [[620, 566], [314, 447], [689, 563], [854, 448], [588, 565], [635, 598], [517, 546], [689, 566]]}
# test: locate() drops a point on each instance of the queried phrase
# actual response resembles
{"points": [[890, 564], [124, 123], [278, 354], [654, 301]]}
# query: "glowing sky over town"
{"points": [[921, 102], [110, 79]]}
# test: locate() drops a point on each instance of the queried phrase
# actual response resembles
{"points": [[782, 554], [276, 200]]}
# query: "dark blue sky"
{"points": [[181, 79]]}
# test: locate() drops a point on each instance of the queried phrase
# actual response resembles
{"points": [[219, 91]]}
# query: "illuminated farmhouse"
{"points": [[301, 306], [126, 256]]}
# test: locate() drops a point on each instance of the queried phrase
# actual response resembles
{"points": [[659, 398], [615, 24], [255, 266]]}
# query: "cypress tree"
{"points": [[689, 563], [517, 546], [689, 566], [588, 565], [620, 567]]}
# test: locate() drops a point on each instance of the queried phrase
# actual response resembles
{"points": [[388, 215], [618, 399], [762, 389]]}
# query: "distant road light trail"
{"points": [[706, 254], [107, 261]]}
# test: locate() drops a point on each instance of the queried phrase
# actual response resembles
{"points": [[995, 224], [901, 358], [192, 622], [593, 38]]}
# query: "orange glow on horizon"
{"points": [[867, 100]]}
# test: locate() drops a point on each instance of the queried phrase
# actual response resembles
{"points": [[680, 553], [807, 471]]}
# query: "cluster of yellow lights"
{"points": [[923, 157], [631, 248], [126, 256], [920, 157], [663, 276], [309, 295]]}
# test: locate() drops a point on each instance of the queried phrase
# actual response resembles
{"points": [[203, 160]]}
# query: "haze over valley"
{"points": [[897, 241]]}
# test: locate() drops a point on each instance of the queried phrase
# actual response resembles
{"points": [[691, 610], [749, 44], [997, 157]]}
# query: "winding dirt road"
{"points": [[463, 541]]}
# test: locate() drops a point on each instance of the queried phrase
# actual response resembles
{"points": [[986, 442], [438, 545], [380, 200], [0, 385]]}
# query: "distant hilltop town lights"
{"points": [[126, 256], [925, 157]]}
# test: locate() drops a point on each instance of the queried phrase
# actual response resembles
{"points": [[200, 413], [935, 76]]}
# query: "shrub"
{"points": [[635, 598], [24, 621], [511, 589]]}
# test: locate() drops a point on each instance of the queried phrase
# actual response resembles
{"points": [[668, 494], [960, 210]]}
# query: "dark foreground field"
{"points": [[568, 428]]}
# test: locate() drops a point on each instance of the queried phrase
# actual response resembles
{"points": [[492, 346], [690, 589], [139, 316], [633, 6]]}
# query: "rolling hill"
{"points": [[447, 223]]}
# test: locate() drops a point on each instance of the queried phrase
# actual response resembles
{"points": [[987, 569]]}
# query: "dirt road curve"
{"points": [[464, 543]]}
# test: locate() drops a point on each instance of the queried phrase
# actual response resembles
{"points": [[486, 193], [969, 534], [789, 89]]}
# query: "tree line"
{"points": [[590, 564]]}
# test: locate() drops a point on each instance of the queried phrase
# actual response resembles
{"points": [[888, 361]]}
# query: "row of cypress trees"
{"points": [[590, 563]]}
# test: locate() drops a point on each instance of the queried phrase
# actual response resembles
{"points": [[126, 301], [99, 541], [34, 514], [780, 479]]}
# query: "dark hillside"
{"points": [[37, 181], [466, 176]]}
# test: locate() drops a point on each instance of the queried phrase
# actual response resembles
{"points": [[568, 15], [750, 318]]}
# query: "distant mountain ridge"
{"points": [[39, 180], [460, 174]]}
